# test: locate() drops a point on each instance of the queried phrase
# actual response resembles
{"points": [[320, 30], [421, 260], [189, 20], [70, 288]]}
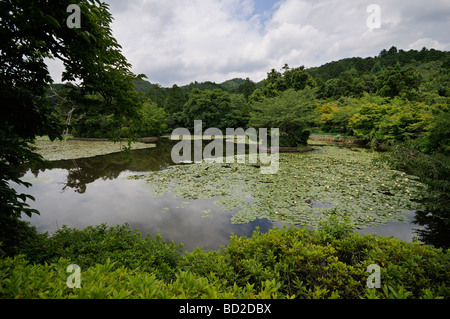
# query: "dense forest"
{"points": [[393, 97]]}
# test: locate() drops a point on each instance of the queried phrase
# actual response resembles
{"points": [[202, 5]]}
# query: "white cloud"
{"points": [[180, 41], [56, 68], [429, 43]]}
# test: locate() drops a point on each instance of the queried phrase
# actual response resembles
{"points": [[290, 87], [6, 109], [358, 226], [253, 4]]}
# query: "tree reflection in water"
{"points": [[81, 172]]}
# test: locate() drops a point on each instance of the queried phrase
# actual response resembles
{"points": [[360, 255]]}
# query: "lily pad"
{"points": [[73, 149], [348, 184]]}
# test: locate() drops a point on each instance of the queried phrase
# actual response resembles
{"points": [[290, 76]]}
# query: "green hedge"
{"points": [[330, 262]]}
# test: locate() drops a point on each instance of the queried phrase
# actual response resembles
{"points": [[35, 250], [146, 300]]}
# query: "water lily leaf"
{"points": [[307, 188]]}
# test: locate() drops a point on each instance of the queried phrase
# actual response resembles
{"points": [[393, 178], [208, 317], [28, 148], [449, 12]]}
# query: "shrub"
{"points": [[327, 263], [434, 171], [15, 234], [19, 279], [330, 262], [95, 245]]}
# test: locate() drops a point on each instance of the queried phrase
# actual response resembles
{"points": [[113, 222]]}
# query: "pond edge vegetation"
{"points": [[328, 262]]}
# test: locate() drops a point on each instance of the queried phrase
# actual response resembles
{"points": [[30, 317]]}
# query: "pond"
{"points": [[110, 189]]}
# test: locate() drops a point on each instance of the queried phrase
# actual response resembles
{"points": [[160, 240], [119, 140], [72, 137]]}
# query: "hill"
{"points": [[229, 85], [386, 58], [428, 63]]}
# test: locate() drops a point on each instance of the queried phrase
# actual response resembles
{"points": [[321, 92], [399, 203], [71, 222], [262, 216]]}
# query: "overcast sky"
{"points": [[182, 41]]}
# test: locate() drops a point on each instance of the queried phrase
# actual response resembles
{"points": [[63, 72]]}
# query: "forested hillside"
{"points": [[354, 74], [393, 97]]}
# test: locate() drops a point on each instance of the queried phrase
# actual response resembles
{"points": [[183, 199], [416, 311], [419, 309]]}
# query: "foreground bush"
{"points": [[96, 245], [19, 279], [284, 263], [327, 264]]}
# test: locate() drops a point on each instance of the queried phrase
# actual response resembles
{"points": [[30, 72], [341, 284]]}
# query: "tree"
{"points": [[293, 112], [239, 110], [31, 30], [151, 122], [389, 58], [273, 84], [334, 117], [347, 84], [296, 79], [173, 106], [157, 94], [246, 88], [175, 100], [365, 123], [394, 81], [397, 120], [214, 108]]}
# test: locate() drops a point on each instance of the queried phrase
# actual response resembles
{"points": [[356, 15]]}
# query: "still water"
{"points": [[95, 190]]}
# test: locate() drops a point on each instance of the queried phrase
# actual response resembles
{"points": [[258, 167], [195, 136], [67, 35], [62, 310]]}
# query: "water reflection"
{"points": [[91, 191], [81, 172], [120, 200], [434, 230]]}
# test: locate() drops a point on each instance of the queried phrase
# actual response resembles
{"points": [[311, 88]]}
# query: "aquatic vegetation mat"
{"points": [[73, 149], [309, 187]]}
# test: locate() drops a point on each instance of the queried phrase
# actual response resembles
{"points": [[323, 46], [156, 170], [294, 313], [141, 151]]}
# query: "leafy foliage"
{"points": [[335, 117], [246, 88], [151, 121], [315, 264], [377, 64], [96, 245], [295, 79], [14, 151], [394, 81], [399, 120], [293, 112], [330, 262], [347, 84], [214, 108], [433, 170]]}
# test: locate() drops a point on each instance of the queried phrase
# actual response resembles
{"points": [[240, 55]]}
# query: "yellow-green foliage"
{"points": [[385, 120], [19, 279], [398, 121]]}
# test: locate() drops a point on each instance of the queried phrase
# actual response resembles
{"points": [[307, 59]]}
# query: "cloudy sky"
{"points": [[181, 41]]}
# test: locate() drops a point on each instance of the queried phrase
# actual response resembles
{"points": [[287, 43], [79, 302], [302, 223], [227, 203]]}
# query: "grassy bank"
{"points": [[330, 262]]}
